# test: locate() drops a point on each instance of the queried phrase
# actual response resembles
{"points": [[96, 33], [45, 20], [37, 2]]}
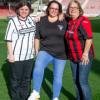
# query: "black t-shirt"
{"points": [[52, 37]]}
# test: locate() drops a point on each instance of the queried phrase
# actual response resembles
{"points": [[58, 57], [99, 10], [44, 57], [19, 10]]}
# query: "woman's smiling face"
{"points": [[54, 10], [24, 11], [74, 10]]}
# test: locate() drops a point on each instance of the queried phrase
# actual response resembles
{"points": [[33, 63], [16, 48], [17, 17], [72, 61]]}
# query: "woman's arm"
{"points": [[36, 46], [10, 55], [8, 39], [87, 46], [38, 17], [85, 56]]}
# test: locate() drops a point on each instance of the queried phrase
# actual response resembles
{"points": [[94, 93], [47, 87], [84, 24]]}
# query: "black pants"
{"points": [[20, 78]]}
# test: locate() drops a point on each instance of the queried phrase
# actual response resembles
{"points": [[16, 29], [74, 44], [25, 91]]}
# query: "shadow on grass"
{"points": [[5, 71], [96, 67], [6, 74], [49, 76]]}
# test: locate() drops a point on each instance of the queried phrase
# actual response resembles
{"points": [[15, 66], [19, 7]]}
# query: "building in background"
{"points": [[91, 7]]}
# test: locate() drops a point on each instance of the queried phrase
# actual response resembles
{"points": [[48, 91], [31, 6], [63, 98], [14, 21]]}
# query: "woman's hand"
{"points": [[36, 53], [37, 18], [61, 17], [11, 58], [85, 58]]}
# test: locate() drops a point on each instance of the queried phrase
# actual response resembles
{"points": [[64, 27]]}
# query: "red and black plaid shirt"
{"points": [[78, 31]]}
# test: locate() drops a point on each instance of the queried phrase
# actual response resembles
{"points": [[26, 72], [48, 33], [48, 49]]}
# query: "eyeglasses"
{"points": [[54, 9], [75, 8]]}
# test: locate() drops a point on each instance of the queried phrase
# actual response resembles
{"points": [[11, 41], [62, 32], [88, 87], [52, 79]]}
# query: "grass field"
{"points": [[68, 92]]}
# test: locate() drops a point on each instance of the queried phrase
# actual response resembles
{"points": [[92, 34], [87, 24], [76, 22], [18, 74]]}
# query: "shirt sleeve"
{"points": [[9, 31], [86, 29], [37, 34]]}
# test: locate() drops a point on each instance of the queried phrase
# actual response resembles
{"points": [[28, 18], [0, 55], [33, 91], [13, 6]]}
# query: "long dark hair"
{"points": [[49, 4]]}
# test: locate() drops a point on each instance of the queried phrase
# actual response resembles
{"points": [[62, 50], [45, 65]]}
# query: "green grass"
{"points": [[3, 25], [68, 91]]}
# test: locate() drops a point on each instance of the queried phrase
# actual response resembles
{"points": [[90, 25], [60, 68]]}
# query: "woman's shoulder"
{"points": [[85, 22], [43, 18], [85, 18], [12, 19], [68, 18]]}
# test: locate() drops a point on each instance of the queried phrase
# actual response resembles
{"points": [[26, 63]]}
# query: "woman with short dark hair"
{"points": [[20, 44]]}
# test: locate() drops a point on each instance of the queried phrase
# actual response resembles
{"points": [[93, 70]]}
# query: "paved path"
{"points": [[5, 12]]}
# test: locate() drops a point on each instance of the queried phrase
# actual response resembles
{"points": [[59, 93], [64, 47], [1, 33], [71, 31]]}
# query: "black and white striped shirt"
{"points": [[21, 34]]}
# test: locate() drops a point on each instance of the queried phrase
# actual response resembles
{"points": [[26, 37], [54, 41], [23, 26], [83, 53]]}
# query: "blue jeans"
{"points": [[42, 60], [80, 74]]}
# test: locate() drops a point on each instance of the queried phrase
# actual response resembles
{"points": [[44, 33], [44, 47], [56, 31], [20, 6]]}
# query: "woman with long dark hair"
{"points": [[50, 36]]}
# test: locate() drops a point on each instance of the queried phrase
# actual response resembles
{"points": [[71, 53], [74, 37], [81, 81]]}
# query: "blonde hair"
{"points": [[79, 7]]}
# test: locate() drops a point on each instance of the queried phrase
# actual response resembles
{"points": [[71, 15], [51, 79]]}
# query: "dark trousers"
{"points": [[20, 78]]}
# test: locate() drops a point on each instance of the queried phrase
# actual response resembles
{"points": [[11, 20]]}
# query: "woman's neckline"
{"points": [[22, 19], [52, 19]]}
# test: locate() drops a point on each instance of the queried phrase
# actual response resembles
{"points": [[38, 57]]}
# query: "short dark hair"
{"points": [[79, 6], [21, 4], [49, 4]]}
